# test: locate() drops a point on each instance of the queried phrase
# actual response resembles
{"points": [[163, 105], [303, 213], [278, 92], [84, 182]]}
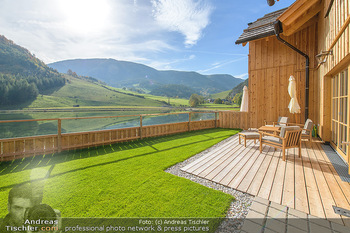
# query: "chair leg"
{"points": [[260, 146], [300, 150], [283, 154], [245, 142], [239, 139]]}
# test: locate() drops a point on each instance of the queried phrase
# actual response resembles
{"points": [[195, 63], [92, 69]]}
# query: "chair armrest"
{"points": [[269, 134], [308, 130], [295, 124]]}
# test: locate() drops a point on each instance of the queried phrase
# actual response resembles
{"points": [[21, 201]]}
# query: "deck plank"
{"points": [[248, 179], [314, 198], [235, 167], [223, 162], [309, 184], [244, 170], [301, 201], [259, 177], [277, 186], [237, 157], [211, 155], [269, 178], [338, 196], [325, 193], [289, 180]]}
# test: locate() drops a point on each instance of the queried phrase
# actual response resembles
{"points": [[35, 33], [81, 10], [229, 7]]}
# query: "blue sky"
{"points": [[189, 35]]}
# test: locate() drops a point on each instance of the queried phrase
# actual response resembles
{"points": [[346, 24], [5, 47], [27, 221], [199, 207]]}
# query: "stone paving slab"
{"points": [[265, 216]]}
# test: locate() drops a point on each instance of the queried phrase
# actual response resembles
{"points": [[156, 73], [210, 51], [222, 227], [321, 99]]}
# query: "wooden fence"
{"points": [[16, 148], [232, 119]]}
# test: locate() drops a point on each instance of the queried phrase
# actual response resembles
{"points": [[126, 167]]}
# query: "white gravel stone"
{"points": [[238, 209]]}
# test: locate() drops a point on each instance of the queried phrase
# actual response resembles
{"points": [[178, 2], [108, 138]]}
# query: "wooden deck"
{"points": [[309, 184]]}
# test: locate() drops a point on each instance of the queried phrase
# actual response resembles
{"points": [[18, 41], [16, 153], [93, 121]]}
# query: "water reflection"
{"points": [[35, 128]]}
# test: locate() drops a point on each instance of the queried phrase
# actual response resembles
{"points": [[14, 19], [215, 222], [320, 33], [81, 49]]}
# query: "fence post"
{"points": [[140, 126], [59, 135], [189, 121], [216, 119]]}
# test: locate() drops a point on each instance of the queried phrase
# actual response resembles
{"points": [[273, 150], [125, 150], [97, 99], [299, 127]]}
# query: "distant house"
{"points": [[309, 40]]}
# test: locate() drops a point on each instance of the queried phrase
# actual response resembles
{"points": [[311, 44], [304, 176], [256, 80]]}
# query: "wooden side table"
{"points": [[274, 129], [248, 136]]}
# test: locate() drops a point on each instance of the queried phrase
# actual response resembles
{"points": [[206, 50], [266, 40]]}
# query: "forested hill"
{"points": [[22, 75], [129, 74], [238, 89]]}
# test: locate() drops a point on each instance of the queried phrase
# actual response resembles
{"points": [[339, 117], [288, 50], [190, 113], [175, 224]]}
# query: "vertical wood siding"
{"points": [[328, 30], [270, 65]]}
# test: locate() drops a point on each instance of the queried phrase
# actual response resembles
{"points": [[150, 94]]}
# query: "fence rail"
{"points": [[21, 147], [16, 148]]}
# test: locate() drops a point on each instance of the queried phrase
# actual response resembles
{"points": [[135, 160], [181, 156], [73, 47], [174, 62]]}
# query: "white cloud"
{"points": [[188, 17], [241, 76], [217, 65], [62, 29], [167, 64]]}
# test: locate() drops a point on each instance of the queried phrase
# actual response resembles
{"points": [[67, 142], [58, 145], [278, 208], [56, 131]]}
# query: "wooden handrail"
{"points": [[100, 117], [15, 148], [345, 25]]}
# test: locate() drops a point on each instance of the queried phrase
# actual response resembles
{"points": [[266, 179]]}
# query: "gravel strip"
{"points": [[238, 209]]}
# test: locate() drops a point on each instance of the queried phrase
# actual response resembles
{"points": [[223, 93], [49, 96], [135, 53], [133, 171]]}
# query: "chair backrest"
{"points": [[279, 119], [308, 125], [293, 138], [285, 129], [283, 120]]}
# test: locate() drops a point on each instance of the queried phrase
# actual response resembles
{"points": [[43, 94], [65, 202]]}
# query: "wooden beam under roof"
{"points": [[298, 14], [302, 21]]}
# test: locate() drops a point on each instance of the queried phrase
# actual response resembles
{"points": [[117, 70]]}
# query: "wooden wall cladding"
{"points": [[270, 65], [334, 34]]}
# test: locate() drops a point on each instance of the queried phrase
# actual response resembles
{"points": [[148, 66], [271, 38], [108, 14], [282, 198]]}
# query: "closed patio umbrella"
{"points": [[292, 90], [244, 103]]}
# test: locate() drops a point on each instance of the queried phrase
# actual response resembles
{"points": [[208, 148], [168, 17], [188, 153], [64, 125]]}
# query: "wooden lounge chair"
{"points": [[307, 129], [282, 121], [290, 137]]}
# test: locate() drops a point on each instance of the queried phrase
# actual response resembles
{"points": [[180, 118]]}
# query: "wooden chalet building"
{"points": [[309, 40]]}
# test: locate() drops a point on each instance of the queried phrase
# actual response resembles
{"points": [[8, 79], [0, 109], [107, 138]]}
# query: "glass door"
{"points": [[340, 113]]}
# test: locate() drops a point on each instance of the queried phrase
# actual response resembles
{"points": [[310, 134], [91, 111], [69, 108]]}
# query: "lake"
{"points": [[47, 127]]}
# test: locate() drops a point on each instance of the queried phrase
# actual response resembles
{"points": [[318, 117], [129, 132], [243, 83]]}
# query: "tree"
{"points": [[196, 100], [237, 99], [218, 101]]}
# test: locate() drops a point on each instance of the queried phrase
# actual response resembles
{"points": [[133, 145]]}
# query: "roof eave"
{"points": [[260, 36]]}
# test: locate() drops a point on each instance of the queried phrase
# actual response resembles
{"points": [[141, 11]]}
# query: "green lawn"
{"points": [[123, 180]]}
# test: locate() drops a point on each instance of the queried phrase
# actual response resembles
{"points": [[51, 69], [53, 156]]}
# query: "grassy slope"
{"points": [[89, 94], [221, 95], [173, 101], [123, 180]]}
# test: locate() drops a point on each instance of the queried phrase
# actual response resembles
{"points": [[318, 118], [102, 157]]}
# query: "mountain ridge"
{"points": [[128, 74]]}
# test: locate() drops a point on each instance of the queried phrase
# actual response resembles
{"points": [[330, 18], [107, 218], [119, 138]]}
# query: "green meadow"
{"points": [[122, 180]]}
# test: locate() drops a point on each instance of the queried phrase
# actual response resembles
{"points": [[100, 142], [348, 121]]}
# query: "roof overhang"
{"points": [[261, 28], [298, 14]]}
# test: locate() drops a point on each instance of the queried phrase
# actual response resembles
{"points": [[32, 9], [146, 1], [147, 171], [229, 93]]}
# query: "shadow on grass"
{"points": [[57, 158]]}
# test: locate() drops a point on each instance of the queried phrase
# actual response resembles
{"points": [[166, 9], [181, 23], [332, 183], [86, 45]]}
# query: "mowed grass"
{"points": [[123, 180]]}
